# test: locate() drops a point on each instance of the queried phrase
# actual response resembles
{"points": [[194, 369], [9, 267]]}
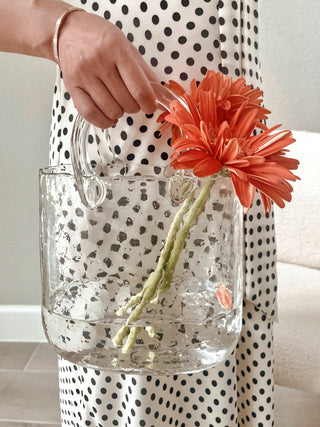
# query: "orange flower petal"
{"points": [[230, 151], [207, 167], [224, 297], [243, 190]]}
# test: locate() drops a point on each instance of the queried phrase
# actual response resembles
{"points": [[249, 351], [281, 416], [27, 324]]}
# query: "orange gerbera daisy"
{"points": [[216, 131], [219, 95]]}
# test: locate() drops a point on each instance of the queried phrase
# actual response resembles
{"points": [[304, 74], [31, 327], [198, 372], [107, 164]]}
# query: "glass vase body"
{"points": [[94, 260]]}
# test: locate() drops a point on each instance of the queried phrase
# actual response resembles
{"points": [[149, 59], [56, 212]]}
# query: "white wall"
{"points": [[26, 85], [289, 46], [290, 53]]}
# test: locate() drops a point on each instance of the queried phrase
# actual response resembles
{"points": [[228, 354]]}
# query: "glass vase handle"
{"points": [[91, 187]]}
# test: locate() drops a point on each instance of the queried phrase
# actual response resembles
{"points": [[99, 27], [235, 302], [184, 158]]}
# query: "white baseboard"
{"points": [[21, 323]]}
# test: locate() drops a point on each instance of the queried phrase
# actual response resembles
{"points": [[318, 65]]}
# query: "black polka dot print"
{"points": [[180, 40]]}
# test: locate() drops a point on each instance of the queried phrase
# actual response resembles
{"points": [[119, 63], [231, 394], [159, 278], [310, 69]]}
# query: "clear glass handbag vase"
{"points": [[141, 274]]}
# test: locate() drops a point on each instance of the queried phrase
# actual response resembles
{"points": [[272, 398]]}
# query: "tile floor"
{"points": [[28, 385], [29, 391]]}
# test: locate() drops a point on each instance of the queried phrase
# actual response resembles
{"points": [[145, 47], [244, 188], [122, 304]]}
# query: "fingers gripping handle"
{"points": [[92, 189]]}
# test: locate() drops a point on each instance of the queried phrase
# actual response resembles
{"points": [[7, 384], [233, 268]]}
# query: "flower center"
{"points": [[241, 153]]}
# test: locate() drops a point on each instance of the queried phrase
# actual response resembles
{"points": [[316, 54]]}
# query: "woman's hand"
{"points": [[103, 72]]}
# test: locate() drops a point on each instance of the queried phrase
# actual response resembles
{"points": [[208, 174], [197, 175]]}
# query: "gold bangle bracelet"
{"points": [[59, 22]]}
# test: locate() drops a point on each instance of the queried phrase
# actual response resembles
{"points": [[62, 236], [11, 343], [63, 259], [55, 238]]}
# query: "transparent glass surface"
{"points": [[95, 260]]}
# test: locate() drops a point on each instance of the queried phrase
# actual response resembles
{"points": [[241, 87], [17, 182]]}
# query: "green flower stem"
{"points": [[169, 256], [121, 334], [189, 221], [135, 299], [134, 331], [148, 292], [150, 286]]}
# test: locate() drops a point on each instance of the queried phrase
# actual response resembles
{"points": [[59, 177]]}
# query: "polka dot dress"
{"points": [[180, 40]]}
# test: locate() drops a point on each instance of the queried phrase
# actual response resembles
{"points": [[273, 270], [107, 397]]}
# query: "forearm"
{"points": [[27, 26], [102, 70]]}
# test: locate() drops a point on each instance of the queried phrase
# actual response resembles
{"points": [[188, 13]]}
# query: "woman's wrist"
{"points": [[58, 26], [28, 27]]}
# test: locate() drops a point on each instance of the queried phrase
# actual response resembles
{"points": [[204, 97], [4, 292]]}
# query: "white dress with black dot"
{"points": [[181, 40]]}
